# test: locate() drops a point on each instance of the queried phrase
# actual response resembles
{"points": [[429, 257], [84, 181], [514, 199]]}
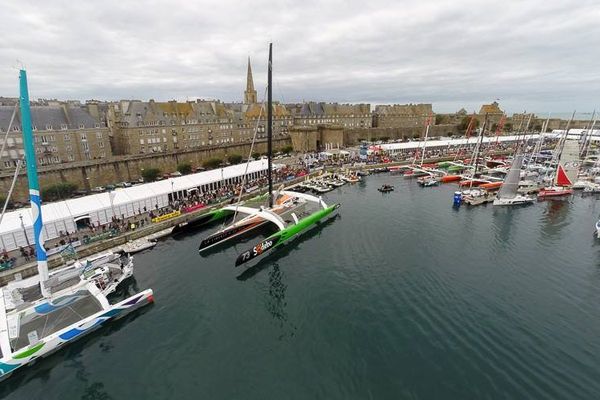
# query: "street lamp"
{"points": [[24, 231]]}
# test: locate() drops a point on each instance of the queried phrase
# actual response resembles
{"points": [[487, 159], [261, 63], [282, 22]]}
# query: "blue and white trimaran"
{"points": [[40, 315]]}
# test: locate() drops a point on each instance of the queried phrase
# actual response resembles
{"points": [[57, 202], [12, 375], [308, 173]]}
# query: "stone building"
{"points": [[64, 132], [344, 115], [493, 112], [152, 127], [401, 115]]}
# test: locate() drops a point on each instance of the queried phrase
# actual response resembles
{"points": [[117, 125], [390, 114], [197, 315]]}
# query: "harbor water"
{"points": [[401, 296]]}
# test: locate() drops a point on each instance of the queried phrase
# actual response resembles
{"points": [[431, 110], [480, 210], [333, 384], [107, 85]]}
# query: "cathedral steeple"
{"points": [[249, 93]]}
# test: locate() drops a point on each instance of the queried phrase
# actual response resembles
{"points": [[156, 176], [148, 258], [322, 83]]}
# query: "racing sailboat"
{"points": [[508, 194], [40, 315], [566, 171], [280, 206], [292, 227]]}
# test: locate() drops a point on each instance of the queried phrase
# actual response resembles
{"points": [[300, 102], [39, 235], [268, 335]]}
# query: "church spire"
{"points": [[249, 93]]}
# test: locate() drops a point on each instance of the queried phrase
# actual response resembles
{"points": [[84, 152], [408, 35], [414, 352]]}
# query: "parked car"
{"points": [[98, 189]]}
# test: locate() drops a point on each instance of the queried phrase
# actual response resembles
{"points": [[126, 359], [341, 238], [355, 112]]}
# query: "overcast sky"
{"points": [[539, 55]]}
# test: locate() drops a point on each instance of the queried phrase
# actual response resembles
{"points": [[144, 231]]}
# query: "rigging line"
{"points": [[249, 156], [12, 186], [8, 130]]}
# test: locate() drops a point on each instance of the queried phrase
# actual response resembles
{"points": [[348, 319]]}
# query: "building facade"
{"points": [[318, 113], [64, 132], [402, 115]]}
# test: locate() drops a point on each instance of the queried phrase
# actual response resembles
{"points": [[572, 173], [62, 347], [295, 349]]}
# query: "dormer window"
{"points": [[48, 127], [63, 127], [81, 126]]}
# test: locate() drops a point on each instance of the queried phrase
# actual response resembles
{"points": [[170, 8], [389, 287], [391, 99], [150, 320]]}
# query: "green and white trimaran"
{"points": [[294, 226]]}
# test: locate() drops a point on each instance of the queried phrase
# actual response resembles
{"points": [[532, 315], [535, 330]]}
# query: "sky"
{"points": [[534, 55]]}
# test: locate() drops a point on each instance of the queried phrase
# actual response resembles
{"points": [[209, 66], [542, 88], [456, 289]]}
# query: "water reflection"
{"points": [[554, 219]]}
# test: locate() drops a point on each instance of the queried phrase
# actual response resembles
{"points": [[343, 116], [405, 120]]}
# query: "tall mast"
{"points": [[270, 124], [425, 141], [34, 187]]}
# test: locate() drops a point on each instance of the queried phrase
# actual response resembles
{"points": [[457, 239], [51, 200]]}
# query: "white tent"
{"points": [[63, 215]]}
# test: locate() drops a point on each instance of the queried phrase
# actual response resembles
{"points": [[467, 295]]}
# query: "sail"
{"points": [[568, 165], [561, 177], [511, 182]]}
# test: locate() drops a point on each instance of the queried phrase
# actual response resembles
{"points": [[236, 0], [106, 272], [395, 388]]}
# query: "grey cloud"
{"points": [[536, 55]]}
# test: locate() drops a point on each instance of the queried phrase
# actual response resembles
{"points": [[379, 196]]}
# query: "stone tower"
{"points": [[249, 93]]}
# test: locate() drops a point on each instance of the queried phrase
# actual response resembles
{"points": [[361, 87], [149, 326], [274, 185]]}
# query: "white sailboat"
{"points": [[39, 315], [509, 195]]}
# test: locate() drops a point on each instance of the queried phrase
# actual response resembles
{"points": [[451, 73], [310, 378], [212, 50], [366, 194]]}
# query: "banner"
{"points": [[167, 216]]}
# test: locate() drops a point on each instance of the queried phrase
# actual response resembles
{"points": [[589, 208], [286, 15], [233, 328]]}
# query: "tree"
{"points": [[441, 119], [416, 135], [287, 149], [150, 174], [508, 127], [464, 123], [184, 168], [212, 163], [58, 191], [537, 128], [234, 159], [256, 155], [450, 134], [385, 139]]}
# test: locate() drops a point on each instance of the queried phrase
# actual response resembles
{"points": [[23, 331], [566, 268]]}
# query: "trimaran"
{"points": [[42, 314], [287, 210]]}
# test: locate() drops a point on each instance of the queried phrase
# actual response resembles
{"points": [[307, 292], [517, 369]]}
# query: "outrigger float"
{"points": [[40, 315]]}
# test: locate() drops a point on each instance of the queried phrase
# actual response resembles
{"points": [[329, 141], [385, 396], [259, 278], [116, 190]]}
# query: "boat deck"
{"points": [[28, 327]]}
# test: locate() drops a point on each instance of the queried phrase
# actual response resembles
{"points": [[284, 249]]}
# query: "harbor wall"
{"points": [[89, 174]]}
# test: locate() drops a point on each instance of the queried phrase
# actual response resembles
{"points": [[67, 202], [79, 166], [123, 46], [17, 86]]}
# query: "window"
{"points": [[67, 137], [71, 158], [83, 136], [98, 135], [69, 148], [81, 126], [101, 144], [63, 127], [7, 164]]}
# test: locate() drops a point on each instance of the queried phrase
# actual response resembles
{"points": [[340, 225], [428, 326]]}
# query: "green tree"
{"points": [[508, 127], [416, 135], [58, 191], [184, 168], [464, 124], [256, 155], [150, 174], [450, 134], [287, 149], [212, 163], [234, 159], [385, 139], [441, 119]]}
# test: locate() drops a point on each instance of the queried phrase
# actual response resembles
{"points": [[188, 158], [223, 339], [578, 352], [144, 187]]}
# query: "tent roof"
{"points": [[69, 209]]}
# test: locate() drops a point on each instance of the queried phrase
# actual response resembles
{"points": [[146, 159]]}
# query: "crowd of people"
{"points": [[196, 199]]}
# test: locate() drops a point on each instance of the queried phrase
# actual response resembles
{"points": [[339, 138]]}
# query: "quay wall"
{"points": [[89, 174]]}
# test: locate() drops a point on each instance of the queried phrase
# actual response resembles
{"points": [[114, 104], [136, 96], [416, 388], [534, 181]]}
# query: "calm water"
{"points": [[399, 297]]}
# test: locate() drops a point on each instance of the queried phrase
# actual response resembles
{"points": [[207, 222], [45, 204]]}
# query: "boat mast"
{"points": [[34, 187], [425, 142], [476, 151], [270, 124]]}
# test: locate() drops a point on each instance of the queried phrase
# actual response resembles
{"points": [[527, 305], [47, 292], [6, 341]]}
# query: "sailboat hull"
{"points": [[50, 344]]}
